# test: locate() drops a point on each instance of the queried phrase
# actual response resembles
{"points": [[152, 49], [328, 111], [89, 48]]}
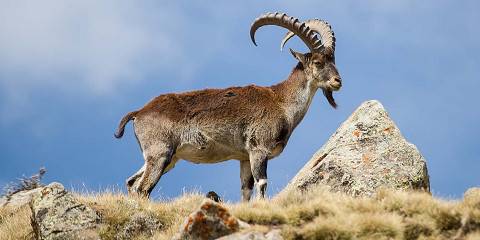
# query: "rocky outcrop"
{"points": [[56, 214], [366, 152], [210, 221]]}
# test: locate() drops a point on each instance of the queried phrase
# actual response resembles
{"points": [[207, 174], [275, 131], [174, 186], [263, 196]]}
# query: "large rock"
{"points": [[366, 152], [56, 214], [210, 221]]}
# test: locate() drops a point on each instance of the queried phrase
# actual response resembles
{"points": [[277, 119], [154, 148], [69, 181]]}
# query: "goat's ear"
{"points": [[299, 56]]}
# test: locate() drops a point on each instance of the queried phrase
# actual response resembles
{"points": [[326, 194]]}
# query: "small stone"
{"points": [[214, 196], [210, 221]]}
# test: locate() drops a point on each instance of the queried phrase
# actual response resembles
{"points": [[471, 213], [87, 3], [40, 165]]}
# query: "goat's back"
{"points": [[229, 105]]}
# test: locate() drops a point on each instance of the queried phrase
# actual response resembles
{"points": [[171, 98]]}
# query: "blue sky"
{"points": [[69, 70]]}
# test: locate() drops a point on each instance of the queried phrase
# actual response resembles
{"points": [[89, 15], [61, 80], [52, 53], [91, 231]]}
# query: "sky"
{"points": [[69, 70]]}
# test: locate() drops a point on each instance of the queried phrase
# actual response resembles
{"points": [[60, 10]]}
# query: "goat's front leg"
{"points": [[258, 164], [246, 178]]}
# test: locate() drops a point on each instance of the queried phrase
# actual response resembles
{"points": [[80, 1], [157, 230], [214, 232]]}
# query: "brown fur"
{"points": [[222, 104]]}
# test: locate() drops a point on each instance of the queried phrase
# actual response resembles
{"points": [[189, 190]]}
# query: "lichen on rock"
{"points": [[210, 221], [366, 152], [56, 214]]}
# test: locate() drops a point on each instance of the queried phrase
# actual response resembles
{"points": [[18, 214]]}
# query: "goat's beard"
{"points": [[329, 95]]}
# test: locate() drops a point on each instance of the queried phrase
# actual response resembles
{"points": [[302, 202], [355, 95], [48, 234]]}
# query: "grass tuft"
{"points": [[15, 223], [258, 212]]}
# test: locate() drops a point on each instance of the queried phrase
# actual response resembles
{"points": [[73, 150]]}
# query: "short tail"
{"points": [[123, 122]]}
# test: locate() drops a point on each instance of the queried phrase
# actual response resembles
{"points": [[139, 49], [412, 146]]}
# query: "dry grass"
{"points": [[116, 210], [390, 214], [317, 214], [15, 223]]}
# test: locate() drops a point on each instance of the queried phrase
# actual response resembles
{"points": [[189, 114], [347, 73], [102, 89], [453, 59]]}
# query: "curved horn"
{"points": [[292, 24], [319, 26]]}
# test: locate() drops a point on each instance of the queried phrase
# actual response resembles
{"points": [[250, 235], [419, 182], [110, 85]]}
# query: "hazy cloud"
{"points": [[95, 43]]}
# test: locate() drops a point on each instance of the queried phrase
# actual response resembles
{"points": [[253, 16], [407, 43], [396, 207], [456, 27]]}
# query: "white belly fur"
{"points": [[211, 152]]}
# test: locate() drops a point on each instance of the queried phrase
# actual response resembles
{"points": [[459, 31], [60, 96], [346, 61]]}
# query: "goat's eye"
{"points": [[318, 64]]}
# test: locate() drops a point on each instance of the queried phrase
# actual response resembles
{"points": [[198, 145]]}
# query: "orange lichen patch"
{"points": [[356, 133], [189, 222], [221, 209], [232, 223], [206, 206], [222, 213], [388, 129], [366, 159], [45, 191], [200, 217]]}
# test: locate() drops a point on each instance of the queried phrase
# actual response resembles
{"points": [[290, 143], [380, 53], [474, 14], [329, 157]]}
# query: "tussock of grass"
{"points": [[317, 214], [15, 223], [258, 212], [116, 211]]}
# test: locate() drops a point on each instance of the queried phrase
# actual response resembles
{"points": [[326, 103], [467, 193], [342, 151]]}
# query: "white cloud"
{"points": [[96, 43]]}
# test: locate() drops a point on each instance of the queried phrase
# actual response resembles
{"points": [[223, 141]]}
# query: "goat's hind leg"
{"points": [[133, 179], [157, 159]]}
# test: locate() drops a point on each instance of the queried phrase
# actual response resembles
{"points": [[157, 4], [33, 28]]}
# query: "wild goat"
{"points": [[251, 124]]}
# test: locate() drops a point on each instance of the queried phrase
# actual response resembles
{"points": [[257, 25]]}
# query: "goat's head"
{"points": [[319, 64]]}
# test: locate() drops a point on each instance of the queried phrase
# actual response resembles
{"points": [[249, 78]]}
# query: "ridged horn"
{"points": [[319, 26], [292, 24]]}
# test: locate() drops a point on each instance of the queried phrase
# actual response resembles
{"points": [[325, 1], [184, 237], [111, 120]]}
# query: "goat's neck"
{"points": [[296, 94]]}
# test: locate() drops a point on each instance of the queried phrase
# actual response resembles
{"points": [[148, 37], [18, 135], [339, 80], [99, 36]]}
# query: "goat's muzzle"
{"points": [[335, 83]]}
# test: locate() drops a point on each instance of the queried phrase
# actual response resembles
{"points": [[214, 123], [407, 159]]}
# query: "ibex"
{"points": [[251, 124]]}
